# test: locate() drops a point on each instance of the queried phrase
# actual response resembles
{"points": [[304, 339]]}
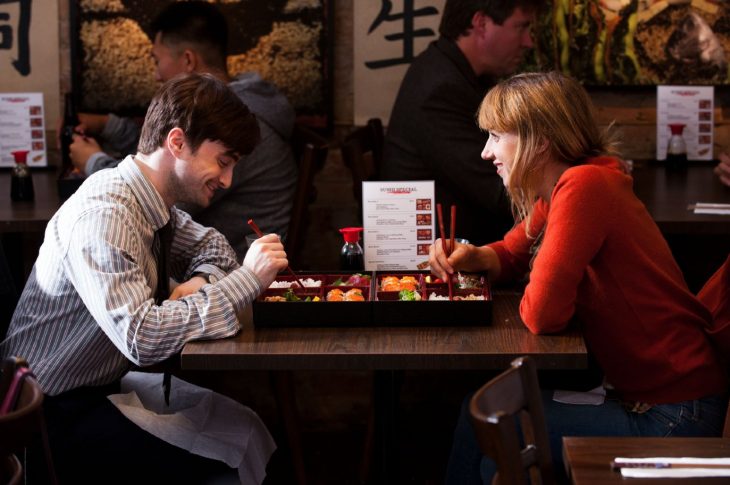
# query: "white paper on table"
{"points": [[710, 208], [198, 420], [646, 470], [594, 397]]}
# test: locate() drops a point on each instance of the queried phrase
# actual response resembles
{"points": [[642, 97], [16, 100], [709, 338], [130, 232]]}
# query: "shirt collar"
{"points": [[153, 207]]}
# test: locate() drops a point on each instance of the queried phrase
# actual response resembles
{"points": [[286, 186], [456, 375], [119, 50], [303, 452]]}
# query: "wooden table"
{"points": [[667, 193], [391, 348], [387, 351], [588, 460]]}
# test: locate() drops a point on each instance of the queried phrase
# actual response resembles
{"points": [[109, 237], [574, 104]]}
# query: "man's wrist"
{"points": [[208, 277]]}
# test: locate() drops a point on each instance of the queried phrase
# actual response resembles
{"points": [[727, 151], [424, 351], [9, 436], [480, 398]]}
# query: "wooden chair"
{"points": [[362, 152], [310, 150], [21, 426], [494, 411]]}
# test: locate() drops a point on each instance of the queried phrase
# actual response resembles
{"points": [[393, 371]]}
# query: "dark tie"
{"points": [[163, 243]]}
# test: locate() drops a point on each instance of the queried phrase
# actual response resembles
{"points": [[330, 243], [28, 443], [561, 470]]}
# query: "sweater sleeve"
{"points": [[576, 227]]}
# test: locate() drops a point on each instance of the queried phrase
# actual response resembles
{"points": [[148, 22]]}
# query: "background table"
{"points": [[667, 193], [588, 460], [31, 216]]}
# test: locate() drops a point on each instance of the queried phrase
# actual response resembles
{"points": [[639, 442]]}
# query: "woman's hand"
{"points": [[265, 258], [442, 266]]}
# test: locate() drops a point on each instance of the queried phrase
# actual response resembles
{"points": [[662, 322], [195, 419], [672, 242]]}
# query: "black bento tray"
{"points": [[380, 308], [388, 310], [314, 313]]}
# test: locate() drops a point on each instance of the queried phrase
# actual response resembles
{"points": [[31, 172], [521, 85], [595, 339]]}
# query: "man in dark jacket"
{"points": [[433, 135]]}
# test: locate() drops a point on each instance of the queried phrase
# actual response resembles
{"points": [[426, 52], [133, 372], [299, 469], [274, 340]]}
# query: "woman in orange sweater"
{"points": [[592, 252]]}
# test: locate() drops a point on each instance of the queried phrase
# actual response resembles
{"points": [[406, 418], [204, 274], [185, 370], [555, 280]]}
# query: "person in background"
{"points": [[723, 169], [593, 253], [193, 37], [90, 311], [432, 134]]}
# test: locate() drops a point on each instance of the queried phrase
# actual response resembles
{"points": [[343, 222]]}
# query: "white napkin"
{"points": [[198, 420], [594, 397], [645, 470]]}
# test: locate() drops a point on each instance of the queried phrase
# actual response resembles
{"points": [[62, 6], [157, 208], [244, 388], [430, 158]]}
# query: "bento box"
{"points": [[407, 298], [396, 298], [337, 299]]}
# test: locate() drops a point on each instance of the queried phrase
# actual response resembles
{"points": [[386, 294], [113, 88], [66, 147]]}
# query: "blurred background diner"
{"points": [[340, 65]]}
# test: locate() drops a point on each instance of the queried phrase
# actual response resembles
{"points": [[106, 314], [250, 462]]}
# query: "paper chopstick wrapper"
{"points": [[710, 208], [671, 467]]}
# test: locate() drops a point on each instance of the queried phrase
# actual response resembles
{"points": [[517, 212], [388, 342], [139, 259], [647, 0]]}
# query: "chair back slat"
{"points": [[509, 421], [362, 152], [310, 150]]}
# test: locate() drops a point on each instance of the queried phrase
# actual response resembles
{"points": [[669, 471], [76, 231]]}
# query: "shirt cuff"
{"points": [[112, 127]]}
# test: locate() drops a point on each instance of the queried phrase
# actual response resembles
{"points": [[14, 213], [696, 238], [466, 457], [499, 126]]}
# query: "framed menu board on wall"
{"points": [[286, 41]]}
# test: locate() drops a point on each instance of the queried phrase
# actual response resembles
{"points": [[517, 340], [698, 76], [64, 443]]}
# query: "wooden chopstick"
{"points": [[444, 248], [259, 234]]}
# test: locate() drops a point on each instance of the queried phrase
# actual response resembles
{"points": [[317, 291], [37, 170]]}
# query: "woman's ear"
{"points": [[175, 141], [544, 146]]}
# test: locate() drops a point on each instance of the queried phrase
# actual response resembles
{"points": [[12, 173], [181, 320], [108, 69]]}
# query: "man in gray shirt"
{"points": [[192, 37]]}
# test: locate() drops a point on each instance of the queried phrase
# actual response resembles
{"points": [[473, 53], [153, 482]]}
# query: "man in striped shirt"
{"points": [[88, 313]]}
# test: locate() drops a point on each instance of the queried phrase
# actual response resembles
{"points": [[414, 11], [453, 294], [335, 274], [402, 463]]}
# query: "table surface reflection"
{"points": [[383, 348]]}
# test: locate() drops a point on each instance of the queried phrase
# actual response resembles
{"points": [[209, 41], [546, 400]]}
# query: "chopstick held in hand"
{"points": [[447, 249], [288, 268]]}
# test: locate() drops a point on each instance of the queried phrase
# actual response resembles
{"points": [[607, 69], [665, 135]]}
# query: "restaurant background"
{"points": [[339, 402]]}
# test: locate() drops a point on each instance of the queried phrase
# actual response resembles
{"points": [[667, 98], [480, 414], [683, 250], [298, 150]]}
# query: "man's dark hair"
{"points": [[200, 24], [205, 109], [457, 15]]}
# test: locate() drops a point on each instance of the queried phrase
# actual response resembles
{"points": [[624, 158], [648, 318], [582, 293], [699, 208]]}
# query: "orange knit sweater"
{"points": [[604, 261]]}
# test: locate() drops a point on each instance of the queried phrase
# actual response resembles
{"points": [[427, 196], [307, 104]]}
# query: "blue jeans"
{"points": [[701, 417]]}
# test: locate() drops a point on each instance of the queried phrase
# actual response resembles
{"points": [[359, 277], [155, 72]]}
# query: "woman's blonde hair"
{"points": [[553, 118]]}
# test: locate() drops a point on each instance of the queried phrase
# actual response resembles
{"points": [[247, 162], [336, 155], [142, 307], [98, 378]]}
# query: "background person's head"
{"points": [[205, 109], [189, 37], [494, 35], [553, 120]]}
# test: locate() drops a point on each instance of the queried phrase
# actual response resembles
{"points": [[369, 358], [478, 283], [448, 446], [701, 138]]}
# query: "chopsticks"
{"points": [[288, 268], [450, 247]]}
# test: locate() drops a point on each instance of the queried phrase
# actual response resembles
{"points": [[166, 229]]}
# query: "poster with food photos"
{"points": [[692, 107], [398, 224], [22, 128]]}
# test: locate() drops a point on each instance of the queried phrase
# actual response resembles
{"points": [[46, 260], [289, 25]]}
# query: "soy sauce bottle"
{"points": [[70, 122], [21, 181], [351, 255], [677, 148]]}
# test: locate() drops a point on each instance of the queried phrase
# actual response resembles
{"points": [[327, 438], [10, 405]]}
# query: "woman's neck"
{"points": [[551, 175]]}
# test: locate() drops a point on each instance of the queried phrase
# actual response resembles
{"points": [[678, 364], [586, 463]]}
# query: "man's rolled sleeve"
{"points": [[241, 287]]}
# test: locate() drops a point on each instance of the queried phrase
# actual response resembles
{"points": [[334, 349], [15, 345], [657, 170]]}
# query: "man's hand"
{"points": [[187, 288], [265, 258], [723, 169], [81, 150]]}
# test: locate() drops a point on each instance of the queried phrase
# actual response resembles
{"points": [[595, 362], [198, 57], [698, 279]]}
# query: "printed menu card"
{"points": [[22, 128], [398, 222], [691, 107]]}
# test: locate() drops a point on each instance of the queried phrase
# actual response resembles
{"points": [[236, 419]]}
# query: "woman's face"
{"points": [[500, 149]]}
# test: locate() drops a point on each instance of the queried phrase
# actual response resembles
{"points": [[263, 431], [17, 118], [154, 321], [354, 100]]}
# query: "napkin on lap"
{"points": [[198, 420]]}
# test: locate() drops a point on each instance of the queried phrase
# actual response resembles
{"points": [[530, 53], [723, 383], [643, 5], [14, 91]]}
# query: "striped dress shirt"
{"points": [[87, 313]]}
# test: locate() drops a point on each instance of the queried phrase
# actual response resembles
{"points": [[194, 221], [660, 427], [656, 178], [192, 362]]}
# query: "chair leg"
{"points": [[286, 402]]}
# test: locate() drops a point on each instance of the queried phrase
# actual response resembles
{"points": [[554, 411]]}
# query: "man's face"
{"points": [[198, 175], [168, 62], [504, 46]]}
